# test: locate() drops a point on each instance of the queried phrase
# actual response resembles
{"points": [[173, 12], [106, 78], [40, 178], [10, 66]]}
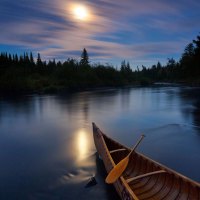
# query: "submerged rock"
{"points": [[92, 182]]}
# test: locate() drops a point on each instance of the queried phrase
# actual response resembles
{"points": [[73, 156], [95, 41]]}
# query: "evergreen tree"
{"points": [[189, 50], [84, 58], [31, 58], [9, 58], [27, 60], [171, 62], [159, 66], [16, 60], [39, 61], [123, 66], [128, 68], [21, 60], [196, 58], [197, 45]]}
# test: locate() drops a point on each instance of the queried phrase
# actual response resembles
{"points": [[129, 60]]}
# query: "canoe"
{"points": [[143, 178]]}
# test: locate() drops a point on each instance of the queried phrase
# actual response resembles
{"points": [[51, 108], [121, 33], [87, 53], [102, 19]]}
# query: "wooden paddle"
{"points": [[118, 169]]}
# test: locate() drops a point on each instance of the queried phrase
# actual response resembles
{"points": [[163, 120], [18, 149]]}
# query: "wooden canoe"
{"points": [[143, 178]]}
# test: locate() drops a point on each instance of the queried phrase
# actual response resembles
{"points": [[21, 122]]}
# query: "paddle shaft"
{"points": [[136, 145]]}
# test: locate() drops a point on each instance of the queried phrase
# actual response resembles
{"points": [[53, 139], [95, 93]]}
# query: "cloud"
{"points": [[116, 29]]}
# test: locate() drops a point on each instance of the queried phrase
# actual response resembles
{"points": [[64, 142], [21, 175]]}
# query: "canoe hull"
{"points": [[143, 178]]}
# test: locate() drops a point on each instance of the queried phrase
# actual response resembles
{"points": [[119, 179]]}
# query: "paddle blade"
{"points": [[117, 171]]}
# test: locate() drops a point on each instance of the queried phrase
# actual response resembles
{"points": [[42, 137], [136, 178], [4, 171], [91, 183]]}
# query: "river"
{"points": [[46, 145]]}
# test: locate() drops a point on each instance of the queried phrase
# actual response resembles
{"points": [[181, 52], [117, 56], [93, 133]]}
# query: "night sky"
{"points": [[142, 32]]}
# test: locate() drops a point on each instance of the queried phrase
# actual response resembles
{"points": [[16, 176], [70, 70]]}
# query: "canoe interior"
{"points": [[166, 184]]}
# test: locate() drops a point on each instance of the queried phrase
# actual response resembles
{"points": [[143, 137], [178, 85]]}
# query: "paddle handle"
{"points": [[136, 145]]}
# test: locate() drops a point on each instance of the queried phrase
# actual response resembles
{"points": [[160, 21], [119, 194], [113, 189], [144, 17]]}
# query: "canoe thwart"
{"points": [[145, 175], [117, 150]]}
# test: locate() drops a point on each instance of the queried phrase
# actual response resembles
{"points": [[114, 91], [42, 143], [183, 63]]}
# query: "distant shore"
{"points": [[68, 90]]}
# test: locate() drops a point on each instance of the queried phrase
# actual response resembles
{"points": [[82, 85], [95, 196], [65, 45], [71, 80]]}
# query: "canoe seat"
{"points": [[145, 175], [116, 150]]}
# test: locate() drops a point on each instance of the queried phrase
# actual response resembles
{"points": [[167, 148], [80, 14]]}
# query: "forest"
{"points": [[23, 74]]}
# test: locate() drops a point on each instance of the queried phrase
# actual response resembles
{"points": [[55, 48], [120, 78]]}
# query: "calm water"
{"points": [[46, 144]]}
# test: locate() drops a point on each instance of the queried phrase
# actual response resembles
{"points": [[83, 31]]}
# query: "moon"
{"points": [[80, 12]]}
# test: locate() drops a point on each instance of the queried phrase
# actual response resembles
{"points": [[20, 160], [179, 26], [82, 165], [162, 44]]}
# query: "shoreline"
{"points": [[65, 91]]}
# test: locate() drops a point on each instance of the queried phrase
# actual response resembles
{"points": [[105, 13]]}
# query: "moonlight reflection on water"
{"points": [[82, 144]]}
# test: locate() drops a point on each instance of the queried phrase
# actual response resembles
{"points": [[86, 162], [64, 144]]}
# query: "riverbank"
{"points": [[53, 89], [70, 90]]}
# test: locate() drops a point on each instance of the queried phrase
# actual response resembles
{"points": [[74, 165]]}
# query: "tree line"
{"points": [[186, 70], [22, 74]]}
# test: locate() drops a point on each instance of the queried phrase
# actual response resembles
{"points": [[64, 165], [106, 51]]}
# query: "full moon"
{"points": [[80, 12]]}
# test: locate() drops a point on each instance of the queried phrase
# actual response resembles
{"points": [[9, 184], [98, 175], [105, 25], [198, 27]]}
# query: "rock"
{"points": [[92, 182]]}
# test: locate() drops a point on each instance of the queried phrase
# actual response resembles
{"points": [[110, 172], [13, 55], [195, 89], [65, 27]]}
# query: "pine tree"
{"points": [[197, 45], [39, 61], [16, 58], [84, 58], [128, 68], [21, 60], [9, 58], [123, 66], [158, 66], [27, 60], [31, 58]]}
